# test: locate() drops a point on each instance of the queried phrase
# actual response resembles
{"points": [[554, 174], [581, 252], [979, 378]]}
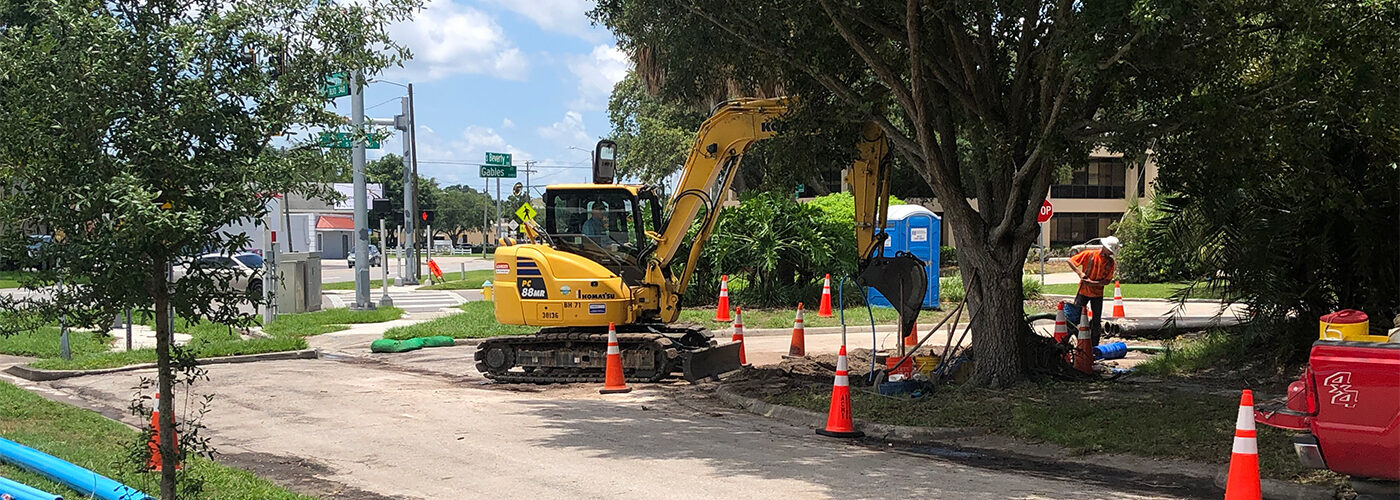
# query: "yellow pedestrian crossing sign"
{"points": [[526, 213]]}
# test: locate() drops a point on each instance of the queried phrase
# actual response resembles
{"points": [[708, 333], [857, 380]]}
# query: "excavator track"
{"points": [[578, 355]]}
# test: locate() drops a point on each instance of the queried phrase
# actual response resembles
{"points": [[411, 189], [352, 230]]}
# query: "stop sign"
{"points": [[1046, 210]]}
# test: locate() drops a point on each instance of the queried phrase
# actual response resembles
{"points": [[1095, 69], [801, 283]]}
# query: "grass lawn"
{"points": [[1050, 267], [1131, 290], [350, 285], [89, 440], [458, 281], [10, 279], [478, 320], [1102, 417], [208, 340]]}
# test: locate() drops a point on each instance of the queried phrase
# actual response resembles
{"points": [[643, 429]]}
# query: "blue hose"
{"points": [[21, 491], [83, 481]]}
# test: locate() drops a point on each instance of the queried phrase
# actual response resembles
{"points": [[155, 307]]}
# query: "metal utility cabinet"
{"points": [[298, 282]]}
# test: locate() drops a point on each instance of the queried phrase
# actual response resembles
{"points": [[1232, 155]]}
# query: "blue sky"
{"points": [[527, 77]]}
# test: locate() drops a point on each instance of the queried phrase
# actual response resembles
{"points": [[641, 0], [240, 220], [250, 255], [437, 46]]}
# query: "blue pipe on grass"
{"points": [[83, 481], [20, 491]]}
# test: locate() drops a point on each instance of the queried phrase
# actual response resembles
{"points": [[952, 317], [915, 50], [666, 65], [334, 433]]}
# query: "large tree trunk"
{"points": [[994, 298], [165, 380]]}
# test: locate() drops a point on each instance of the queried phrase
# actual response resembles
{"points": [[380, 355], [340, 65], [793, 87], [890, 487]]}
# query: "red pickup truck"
{"points": [[1347, 403]]}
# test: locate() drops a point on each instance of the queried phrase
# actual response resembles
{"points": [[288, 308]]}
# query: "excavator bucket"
{"points": [[903, 281], [709, 362]]}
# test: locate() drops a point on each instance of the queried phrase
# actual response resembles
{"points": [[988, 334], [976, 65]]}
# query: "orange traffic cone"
{"points": [[1243, 483], [613, 380], [838, 417], [723, 313], [153, 463], [1084, 350], [739, 333], [912, 339], [798, 347], [1061, 331], [1118, 301], [824, 309]]}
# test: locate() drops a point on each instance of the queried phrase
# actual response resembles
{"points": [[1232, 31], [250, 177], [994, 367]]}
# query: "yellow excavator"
{"points": [[604, 254]]}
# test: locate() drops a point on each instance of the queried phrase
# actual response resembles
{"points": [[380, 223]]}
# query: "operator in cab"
{"points": [[596, 226], [1095, 268]]}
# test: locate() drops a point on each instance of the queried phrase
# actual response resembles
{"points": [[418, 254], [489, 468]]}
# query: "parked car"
{"points": [[1093, 244], [37, 242], [374, 257], [245, 267]]}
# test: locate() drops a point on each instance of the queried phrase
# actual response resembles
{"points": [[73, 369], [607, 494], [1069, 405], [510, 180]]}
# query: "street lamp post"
{"points": [[410, 272]]}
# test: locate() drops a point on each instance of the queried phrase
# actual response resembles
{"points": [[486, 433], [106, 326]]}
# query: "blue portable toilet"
{"points": [[913, 229]]}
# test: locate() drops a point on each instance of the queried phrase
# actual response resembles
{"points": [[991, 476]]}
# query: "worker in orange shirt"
{"points": [[1095, 268]]}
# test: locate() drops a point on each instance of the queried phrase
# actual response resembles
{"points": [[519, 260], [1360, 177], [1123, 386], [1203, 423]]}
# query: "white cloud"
{"points": [[568, 131], [506, 123], [569, 17], [447, 38], [597, 72]]}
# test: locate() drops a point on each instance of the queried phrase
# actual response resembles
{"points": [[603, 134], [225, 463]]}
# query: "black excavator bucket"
{"points": [[903, 281], [710, 361]]}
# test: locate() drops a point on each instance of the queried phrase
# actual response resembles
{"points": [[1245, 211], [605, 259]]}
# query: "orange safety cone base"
{"points": [[623, 390], [841, 434]]}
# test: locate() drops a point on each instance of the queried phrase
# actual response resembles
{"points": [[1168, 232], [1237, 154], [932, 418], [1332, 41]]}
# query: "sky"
{"points": [[526, 77]]}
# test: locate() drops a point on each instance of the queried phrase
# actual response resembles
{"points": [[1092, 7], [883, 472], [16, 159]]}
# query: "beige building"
{"points": [[1094, 196]]}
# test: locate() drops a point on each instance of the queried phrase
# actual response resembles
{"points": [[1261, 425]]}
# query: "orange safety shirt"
{"points": [[1096, 266]]}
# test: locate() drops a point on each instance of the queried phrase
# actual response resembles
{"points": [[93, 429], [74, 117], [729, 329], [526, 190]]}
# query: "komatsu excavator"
{"points": [[604, 254]]}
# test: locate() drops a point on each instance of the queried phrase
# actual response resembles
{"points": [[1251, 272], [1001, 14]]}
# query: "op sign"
{"points": [[1046, 210]]}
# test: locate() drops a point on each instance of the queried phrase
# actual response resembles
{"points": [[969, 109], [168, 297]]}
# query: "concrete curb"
{"points": [[1135, 299], [40, 375], [1272, 489]]}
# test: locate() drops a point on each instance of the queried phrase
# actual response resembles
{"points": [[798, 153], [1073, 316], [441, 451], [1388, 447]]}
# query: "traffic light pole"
{"points": [[408, 271]]}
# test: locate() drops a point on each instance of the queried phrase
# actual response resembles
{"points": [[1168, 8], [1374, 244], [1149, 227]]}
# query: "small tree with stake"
{"points": [[135, 129]]}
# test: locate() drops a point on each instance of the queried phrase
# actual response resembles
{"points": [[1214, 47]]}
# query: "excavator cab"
{"points": [[606, 223]]}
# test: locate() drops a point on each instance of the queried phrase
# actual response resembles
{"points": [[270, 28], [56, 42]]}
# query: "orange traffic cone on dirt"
{"points": [[722, 314], [838, 418], [1118, 301], [739, 333], [912, 339], [153, 463], [613, 380], [798, 347], [1084, 349], [1243, 482], [824, 309], [1061, 331]]}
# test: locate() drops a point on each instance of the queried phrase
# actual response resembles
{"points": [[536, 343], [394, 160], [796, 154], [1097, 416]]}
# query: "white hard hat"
{"points": [[1111, 243]]}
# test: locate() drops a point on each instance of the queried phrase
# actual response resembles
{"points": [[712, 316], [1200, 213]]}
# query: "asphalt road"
{"points": [[429, 427], [338, 270]]}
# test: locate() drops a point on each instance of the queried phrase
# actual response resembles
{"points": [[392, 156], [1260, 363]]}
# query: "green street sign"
{"points": [[337, 85], [490, 171], [499, 160], [345, 140]]}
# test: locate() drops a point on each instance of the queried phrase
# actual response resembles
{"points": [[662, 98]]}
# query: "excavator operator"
{"points": [[596, 226]]}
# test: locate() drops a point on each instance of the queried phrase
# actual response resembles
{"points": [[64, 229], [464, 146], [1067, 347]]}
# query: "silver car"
{"points": [[373, 257], [245, 267]]}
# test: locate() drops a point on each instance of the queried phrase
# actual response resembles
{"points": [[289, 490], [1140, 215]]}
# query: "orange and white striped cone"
{"points": [[1084, 349], [722, 314], [838, 418], [1243, 482], [824, 309], [1061, 331], [153, 463], [613, 380], [798, 347], [739, 333], [1118, 301]]}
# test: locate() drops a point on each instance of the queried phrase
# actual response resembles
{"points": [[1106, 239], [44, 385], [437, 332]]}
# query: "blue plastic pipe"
{"points": [[1114, 350], [21, 491], [83, 481]]}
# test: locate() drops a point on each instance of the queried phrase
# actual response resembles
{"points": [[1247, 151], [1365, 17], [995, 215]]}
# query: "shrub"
{"points": [[1030, 289], [950, 289], [947, 256], [1147, 254]]}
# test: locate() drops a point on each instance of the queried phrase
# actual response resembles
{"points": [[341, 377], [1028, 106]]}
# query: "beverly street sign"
{"points": [[498, 160]]}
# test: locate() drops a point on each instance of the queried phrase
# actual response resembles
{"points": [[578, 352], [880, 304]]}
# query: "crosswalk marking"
{"points": [[409, 300]]}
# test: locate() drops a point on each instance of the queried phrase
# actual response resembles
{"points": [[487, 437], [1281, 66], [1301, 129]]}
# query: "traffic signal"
{"points": [[426, 216]]}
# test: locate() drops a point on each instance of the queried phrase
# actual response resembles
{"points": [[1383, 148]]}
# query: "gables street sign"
{"points": [[497, 171]]}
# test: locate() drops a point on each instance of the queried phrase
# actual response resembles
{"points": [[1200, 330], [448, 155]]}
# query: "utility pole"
{"points": [[498, 207], [529, 167], [357, 121], [404, 122], [485, 191], [413, 149]]}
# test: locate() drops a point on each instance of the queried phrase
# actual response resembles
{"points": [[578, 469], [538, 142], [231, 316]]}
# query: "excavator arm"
{"points": [[709, 171]]}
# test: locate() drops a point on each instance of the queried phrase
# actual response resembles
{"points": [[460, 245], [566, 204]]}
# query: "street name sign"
{"points": [[337, 85], [498, 159]]}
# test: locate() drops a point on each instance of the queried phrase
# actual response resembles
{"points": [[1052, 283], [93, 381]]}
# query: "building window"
{"points": [[1102, 178], [1074, 228]]}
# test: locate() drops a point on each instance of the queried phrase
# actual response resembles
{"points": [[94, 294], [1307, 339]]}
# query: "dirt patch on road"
{"points": [[298, 474]]}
